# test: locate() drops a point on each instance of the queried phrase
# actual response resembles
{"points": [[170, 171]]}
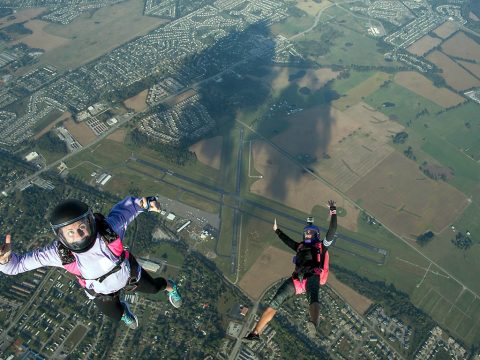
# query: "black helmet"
{"points": [[81, 236]]}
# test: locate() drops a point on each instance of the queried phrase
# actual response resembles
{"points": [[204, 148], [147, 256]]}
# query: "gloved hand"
{"points": [[6, 250], [150, 203], [333, 207]]}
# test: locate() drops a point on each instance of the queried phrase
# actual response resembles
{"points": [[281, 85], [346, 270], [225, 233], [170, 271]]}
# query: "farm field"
{"points": [[40, 38], [137, 102], [91, 36], [446, 29], [462, 46], [405, 200], [453, 73], [423, 45], [80, 131], [297, 189], [22, 16], [365, 88], [209, 151], [473, 68], [422, 86]]}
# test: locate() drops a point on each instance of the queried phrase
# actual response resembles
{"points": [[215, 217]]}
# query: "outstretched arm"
{"points": [[292, 244], [127, 210], [12, 264], [332, 229]]}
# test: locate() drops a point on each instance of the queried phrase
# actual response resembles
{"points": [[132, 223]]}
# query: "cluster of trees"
{"points": [[462, 241], [396, 303], [323, 44], [409, 153], [52, 143], [400, 138], [425, 238], [177, 155]]}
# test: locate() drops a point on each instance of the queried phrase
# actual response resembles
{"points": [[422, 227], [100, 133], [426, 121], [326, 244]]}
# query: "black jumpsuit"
{"points": [[287, 289]]}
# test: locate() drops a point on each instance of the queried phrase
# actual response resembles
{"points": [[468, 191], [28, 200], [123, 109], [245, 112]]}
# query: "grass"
{"points": [[433, 134], [199, 202], [92, 35], [224, 247], [292, 25], [342, 86], [166, 252], [47, 120]]}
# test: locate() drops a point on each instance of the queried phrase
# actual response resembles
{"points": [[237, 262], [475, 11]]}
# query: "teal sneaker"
{"points": [[128, 317], [174, 295]]}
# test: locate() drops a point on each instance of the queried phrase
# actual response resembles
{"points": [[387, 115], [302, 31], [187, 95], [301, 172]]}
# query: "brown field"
{"points": [[65, 116], [273, 264], [316, 79], [407, 201], [473, 68], [446, 29], [21, 16], [355, 140], [298, 189], [462, 46], [423, 45], [312, 7], [80, 131], [422, 86], [359, 302], [118, 135], [137, 102], [313, 79], [453, 73], [209, 151], [363, 89], [41, 39]]}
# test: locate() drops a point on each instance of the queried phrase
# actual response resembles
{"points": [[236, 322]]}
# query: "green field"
{"points": [[348, 39], [94, 35]]}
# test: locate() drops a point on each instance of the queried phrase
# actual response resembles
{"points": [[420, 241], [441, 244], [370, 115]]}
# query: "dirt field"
{"points": [[423, 45], [41, 39], [65, 116], [359, 302], [137, 103], [420, 85], [453, 74], [446, 29], [472, 16], [80, 131], [363, 89], [180, 97], [296, 188], [118, 136], [312, 7], [462, 46], [473, 68], [405, 200], [21, 16], [316, 79], [273, 264], [209, 151]]}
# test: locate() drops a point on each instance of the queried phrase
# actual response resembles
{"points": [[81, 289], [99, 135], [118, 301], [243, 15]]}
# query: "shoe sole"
{"points": [[134, 316]]}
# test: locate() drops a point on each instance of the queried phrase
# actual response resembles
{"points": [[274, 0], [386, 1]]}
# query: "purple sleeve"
{"points": [[123, 214], [46, 256]]}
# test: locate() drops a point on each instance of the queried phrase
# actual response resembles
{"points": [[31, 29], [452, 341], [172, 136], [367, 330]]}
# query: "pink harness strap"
{"points": [[300, 286]]}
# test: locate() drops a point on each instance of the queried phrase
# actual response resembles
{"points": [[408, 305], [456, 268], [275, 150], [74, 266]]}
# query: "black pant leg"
{"points": [[110, 305], [149, 285]]}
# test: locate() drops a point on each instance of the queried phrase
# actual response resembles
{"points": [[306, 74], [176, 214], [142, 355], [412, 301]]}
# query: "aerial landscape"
{"points": [[235, 114]]}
